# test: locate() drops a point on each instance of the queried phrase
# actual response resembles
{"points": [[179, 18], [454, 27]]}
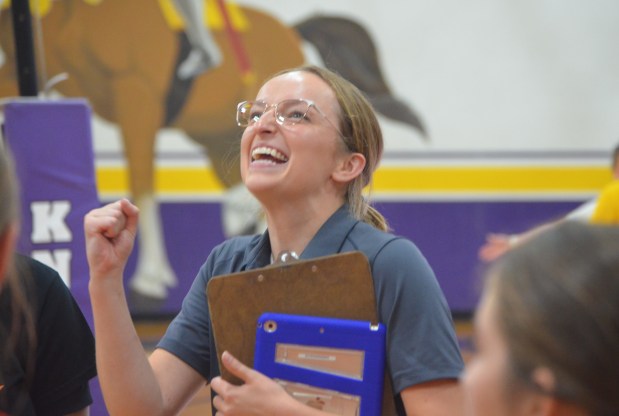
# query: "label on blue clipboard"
{"points": [[335, 365]]}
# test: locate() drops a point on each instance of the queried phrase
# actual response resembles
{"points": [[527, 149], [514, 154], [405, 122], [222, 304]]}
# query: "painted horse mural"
{"points": [[123, 57]]}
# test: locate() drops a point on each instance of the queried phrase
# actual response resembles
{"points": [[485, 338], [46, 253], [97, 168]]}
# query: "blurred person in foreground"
{"points": [[47, 352], [547, 327]]}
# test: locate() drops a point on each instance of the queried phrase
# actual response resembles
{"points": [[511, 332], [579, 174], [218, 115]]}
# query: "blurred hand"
{"points": [[110, 235], [496, 245]]}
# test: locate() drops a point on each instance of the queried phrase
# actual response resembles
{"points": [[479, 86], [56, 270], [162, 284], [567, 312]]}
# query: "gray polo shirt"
{"points": [[421, 341]]}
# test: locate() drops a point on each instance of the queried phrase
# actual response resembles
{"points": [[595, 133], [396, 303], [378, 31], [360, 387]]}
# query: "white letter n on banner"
{"points": [[59, 260]]}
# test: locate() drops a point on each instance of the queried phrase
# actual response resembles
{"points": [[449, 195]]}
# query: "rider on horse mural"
{"points": [[205, 53]]}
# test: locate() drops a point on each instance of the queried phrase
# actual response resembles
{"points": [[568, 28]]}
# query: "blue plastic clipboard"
{"points": [[336, 355]]}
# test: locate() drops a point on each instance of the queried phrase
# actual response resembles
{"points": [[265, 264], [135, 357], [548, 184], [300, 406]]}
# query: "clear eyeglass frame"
{"points": [[286, 112]]}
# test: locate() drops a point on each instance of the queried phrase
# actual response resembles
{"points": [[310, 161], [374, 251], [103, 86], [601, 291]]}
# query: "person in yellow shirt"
{"points": [[607, 208]]}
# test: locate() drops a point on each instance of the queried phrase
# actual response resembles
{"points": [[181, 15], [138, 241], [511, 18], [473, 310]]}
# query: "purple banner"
{"points": [[449, 234], [51, 142]]}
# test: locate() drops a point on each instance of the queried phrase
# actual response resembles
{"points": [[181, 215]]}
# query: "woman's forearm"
{"points": [[126, 377]]}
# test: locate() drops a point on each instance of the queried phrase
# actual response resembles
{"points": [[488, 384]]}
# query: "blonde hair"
{"points": [[361, 133], [8, 190], [14, 283]]}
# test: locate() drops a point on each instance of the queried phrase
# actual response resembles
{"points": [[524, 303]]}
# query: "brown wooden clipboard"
{"points": [[336, 286]]}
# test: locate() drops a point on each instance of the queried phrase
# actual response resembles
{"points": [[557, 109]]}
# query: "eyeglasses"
{"points": [[287, 112]]}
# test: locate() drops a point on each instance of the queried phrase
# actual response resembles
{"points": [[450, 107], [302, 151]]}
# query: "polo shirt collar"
{"points": [[331, 236], [328, 240], [260, 254]]}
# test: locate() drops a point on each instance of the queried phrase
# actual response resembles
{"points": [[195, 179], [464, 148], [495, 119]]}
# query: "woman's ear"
{"points": [[349, 168], [8, 239], [545, 403]]}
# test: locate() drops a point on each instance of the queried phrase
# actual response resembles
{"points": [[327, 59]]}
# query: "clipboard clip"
{"points": [[286, 256]]}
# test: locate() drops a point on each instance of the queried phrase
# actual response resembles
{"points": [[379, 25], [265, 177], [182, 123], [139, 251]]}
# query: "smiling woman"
{"points": [[307, 165], [345, 110]]}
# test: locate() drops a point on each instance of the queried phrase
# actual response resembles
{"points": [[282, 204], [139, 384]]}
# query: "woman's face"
{"points": [[293, 161], [485, 378]]}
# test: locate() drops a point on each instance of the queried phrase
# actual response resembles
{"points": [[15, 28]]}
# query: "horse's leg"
{"points": [[241, 212], [139, 114]]}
